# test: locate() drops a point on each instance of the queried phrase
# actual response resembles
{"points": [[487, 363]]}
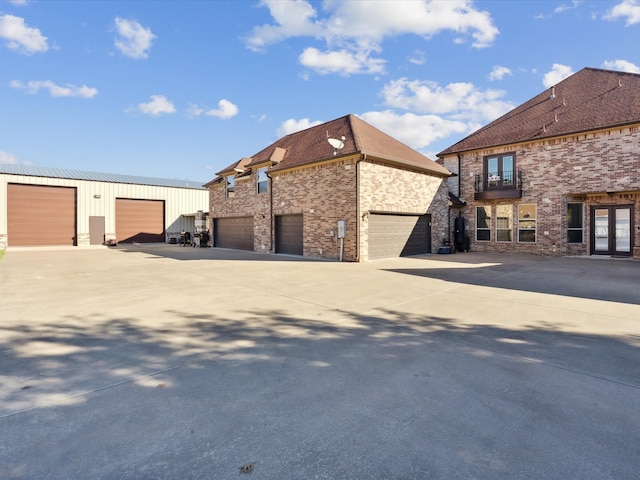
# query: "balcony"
{"points": [[506, 184]]}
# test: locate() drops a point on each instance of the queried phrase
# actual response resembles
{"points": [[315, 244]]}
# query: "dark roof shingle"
{"points": [[590, 99], [311, 146]]}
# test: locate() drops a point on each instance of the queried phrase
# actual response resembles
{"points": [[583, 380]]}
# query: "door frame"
{"points": [[96, 230], [611, 248]]}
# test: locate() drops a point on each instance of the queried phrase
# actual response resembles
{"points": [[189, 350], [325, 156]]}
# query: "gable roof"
{"points": [[35, 171], [590, 99], [311, 146]]}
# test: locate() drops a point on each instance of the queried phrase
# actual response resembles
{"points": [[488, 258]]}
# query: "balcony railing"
{"points": [[508, 184]]}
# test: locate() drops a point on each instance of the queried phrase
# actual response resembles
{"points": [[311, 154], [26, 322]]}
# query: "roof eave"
{"points": [[538, 138], [442, 171]]}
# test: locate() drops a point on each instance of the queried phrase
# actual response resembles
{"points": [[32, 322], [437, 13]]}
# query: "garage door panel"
{"points": [[234, 232], [289, 234], [398, 235], [41, 215], [139, 220]]}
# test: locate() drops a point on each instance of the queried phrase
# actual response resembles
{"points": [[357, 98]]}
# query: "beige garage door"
{"points": [[289, 234], [398, 235], [41, 215], [233, 232], [139, 220]]}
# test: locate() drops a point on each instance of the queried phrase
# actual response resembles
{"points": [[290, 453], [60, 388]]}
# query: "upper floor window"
{"points": [[263, 181], [575, 222], [527, 223], [499, 171], [230, 186]]}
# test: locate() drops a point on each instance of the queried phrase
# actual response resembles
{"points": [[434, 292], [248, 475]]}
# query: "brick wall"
{"points": [[579, 168], [246, 202], [326, 193], [391, 189], [323, 194]]}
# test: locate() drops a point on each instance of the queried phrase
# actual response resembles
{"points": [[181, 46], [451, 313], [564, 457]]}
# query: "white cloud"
{"points": [[19, 3], [499, 72], [225, 110], [418, 58], [435, 112], [352, 30], [133, 39], [416, 131], [157, 106], [458, 101], [621, 65], [558, 73], [292, 126], [565, 7], [342, 62], [20, 37], [8, 158], [629, 9], [292, 19], [55, 90]]}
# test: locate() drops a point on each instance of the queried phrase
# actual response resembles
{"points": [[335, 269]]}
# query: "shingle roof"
{"points": [[237, 167], [311, 146], [34, 171], [590, 99]]}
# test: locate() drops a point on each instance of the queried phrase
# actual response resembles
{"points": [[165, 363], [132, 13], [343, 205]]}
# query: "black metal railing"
{"points": [[505, 180]]}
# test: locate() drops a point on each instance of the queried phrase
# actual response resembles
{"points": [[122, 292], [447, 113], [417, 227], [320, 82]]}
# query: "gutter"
{"points": [[271, 248], [459, 175], [358, 215]]}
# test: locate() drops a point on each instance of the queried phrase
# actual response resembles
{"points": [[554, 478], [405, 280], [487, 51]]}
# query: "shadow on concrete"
{"points": [[181, 394], [599, 279], [178, 252], [347, 396]]}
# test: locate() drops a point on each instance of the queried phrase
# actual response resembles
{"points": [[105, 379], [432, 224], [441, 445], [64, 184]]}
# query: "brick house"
{"points": [[339, 190], [558, 175]]}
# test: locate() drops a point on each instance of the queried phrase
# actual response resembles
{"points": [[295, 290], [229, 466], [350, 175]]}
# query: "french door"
{"points": [[612, 230]]}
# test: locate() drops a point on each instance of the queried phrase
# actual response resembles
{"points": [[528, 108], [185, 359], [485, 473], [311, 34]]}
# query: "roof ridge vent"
{"points": [[619, 83], [553, 93]]}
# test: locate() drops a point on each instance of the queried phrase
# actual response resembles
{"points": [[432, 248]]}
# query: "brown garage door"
{"points": [[41, 215], [233, 232], [398, 235], [139, 220], [289, 234]]}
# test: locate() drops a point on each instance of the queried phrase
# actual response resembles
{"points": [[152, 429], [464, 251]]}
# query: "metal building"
{"points": [[48, 206]]}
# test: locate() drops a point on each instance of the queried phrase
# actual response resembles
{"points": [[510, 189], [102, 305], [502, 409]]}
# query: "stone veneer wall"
{"points": [[578, 168], [391, 189]]}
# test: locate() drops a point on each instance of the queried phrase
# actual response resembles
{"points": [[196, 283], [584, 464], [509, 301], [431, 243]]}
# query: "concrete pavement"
{"points": [[166, 362]]}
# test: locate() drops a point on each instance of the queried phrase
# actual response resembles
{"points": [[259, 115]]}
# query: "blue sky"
{"points": [[183, 88]]}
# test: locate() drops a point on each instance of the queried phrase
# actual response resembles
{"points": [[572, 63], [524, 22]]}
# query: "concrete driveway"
{"points": [[168, 362]]}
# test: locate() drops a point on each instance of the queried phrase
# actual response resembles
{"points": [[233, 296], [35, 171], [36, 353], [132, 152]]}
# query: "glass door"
{"points": [[600, 230], [612, 230], [623, 230]]}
